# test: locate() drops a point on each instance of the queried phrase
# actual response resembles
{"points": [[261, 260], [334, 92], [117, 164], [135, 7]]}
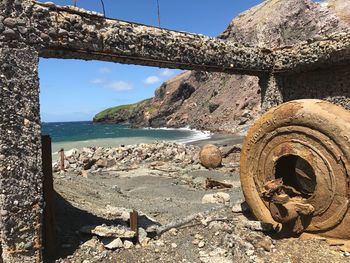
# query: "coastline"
{"points": [[198, 138], [220, 139], [116, 142]]}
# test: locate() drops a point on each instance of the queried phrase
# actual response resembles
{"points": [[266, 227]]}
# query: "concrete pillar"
{"points": [[271, 93], [21, 198]]}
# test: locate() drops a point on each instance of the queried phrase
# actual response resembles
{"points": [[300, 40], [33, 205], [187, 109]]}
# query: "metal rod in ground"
{"points": [[62, 159], [134, 224]]}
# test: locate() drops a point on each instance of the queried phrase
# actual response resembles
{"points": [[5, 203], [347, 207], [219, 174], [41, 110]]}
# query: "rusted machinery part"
{"points": [[295, 168]]}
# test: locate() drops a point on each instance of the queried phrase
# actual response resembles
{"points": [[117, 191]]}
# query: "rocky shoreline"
{"points": [[99, 159]]}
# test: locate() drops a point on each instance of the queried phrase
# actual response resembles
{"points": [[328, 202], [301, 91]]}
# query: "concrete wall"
{"points": [[29, 30], [331, 84]]}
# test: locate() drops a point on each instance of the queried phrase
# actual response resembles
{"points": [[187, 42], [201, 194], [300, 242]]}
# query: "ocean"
{"points": [[69, 135]]}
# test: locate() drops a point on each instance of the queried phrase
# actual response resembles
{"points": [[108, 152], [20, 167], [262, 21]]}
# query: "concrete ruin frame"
{"points": [[29, 30]]}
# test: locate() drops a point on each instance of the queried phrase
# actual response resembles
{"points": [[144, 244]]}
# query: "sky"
{"points": [[75, 90]]}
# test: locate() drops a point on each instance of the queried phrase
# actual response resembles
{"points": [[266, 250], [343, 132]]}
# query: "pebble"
{"points": [[173, 231], [201, 244], [264, 243], [258, 226], [173, 245], [128, 244], [195, 242], [240, 208], [160, 243], [198, 236]]}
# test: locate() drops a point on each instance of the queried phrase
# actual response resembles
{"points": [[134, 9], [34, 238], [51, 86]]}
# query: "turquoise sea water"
{"points": [[70, 135]]}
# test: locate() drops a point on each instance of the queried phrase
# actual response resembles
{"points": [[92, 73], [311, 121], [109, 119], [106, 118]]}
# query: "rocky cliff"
{"points": [[222, 102]]}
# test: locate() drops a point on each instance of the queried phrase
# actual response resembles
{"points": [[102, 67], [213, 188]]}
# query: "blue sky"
{"points": [[75, 90]]}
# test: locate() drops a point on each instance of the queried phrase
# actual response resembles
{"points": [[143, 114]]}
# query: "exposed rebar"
{"points": [[158, 8], [103, 8]]}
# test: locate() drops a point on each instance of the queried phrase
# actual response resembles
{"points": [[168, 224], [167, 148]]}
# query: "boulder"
{"points": [[210, 156]]}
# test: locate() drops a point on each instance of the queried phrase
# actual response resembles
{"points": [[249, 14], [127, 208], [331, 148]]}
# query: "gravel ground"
{"points": [[173, 191]]}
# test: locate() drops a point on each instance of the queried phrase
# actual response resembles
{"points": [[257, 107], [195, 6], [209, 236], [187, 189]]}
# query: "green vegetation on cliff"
{"points": [[110, 113], [107, 113]]}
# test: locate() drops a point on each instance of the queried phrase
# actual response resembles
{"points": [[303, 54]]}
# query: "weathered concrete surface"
{"points": [[72, 33], [29, 30], [329, 52], [20, 155]]}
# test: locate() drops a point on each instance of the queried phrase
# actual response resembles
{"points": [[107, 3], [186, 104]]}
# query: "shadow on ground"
{"points": [[69, 220]]}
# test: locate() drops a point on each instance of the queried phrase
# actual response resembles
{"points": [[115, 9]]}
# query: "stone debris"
{"points": [[118, 212], [128, 244], [112, 243], [218, 255], [265, 243], [216, 198], [127, 157], [241, 207], [258, 226], [108, 231], [147, 223]]}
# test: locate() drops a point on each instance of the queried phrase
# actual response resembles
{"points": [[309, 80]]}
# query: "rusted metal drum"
{"points": [[295, 168]]}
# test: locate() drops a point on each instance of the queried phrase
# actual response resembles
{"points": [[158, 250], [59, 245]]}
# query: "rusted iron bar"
{"points": [[134, 224], [210, 184], [49, 210], [61, 159]]}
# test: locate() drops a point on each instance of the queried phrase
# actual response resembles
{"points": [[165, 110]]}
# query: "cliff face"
{"points": [[341, 8], [222, 102]]}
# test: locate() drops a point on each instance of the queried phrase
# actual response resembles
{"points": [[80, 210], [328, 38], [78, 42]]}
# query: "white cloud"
{"points": [[152, 80], [105, 70], [119, 85], [98, 81], [167, 72]]}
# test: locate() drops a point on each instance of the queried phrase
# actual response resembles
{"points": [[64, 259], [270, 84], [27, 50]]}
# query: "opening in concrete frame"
{"points": [[107, 160]]}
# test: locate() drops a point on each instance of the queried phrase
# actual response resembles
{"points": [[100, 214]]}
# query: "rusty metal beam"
{"points": [[49, 210]]}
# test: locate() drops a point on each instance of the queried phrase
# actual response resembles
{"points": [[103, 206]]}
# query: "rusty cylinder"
{"points": [[305, 145]]}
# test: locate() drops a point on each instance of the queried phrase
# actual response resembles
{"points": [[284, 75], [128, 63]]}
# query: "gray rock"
{"points": [[128, 244], [112, 243], [9, 33], [108, 231], [258, 226], [240, 208], [142, 235], [10, 22], [216, 198]]}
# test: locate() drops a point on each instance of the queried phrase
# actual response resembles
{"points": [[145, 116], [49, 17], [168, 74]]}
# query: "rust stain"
{"points": [[324, 131]]}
